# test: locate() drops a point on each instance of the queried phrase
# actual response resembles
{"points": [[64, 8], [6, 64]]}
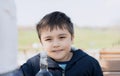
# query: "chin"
{"points": [[58, 58]]}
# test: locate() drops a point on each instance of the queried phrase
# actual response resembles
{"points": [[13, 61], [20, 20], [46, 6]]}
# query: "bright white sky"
{"points": [[82, 12]]}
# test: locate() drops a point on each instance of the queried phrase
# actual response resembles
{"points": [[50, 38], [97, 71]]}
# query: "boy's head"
{"points": [[55, 20], [56, 34]]}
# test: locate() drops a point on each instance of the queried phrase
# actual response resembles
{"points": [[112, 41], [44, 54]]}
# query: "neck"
{"points": [[67, 58]]}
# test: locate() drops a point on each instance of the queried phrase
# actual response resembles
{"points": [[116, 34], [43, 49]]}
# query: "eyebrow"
{"points": [[58, 35], [62, 34], [47, 37]]}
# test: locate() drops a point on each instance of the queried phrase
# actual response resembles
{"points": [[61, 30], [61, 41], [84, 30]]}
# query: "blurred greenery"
{"points": [[85, 38]]}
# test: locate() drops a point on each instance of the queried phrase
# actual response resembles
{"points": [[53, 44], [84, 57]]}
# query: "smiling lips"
{"points": [[57, 50]]}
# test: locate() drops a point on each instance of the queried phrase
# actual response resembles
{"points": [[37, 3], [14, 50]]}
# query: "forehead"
{"points": [[54, 29], [58, 31], [51, 28]]}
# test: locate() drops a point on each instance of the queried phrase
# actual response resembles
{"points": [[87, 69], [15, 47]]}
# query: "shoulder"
{"points": [[83, 56], [33, 62], [31, 66], [87, 62], [90, 61]]}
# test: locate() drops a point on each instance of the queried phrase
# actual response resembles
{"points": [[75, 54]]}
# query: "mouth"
{"points": [[57, 51]]}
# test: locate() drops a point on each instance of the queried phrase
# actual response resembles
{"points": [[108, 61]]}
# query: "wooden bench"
{"points": [[110, 62]]}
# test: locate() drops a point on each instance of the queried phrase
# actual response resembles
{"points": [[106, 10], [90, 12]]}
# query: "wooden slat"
{"points": [[110, 61], [111, 73], [110, 65], [110, 56], [110, 51]]}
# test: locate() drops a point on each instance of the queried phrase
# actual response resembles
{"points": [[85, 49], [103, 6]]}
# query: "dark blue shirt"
{"points": [[81, 64]]}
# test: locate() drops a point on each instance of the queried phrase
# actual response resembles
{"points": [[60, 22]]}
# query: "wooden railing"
{"points": [[110, 61]]}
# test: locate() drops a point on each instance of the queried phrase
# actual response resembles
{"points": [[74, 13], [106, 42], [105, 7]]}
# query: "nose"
{"points": [[56, 44]]}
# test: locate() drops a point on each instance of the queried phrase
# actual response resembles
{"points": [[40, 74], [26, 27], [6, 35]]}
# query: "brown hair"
{"points": [[55, 20]]}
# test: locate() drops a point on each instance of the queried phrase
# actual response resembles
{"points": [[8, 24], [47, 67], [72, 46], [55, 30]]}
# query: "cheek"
{"points": [[67, 46], [46, 46], [67, 42]]}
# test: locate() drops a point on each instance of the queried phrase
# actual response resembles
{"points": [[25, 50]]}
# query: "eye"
{"points": [[62, 37], [48, 39]]}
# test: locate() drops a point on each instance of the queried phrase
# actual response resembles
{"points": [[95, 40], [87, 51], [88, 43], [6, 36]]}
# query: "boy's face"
{"points": [[57, 43]]}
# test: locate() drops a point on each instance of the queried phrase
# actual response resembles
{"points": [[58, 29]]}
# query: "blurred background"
{"points": [[96, 22]]}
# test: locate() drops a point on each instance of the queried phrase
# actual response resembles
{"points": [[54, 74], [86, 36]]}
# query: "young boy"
{"points": [[56, 34]]}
